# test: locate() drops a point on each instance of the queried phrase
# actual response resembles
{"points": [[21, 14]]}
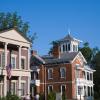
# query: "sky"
{"points": [[51, 19]]}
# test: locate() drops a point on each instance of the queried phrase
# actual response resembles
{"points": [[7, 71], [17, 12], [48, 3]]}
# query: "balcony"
{"points": [[35, 82], [83, 81]]}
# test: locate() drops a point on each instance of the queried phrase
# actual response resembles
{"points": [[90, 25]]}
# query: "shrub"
{"points": [[10, 97], [64, 96], [52, 96], [42, 97]]}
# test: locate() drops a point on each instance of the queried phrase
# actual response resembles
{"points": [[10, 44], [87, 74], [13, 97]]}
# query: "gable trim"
{"points": [[7, 30], [81, 56]]}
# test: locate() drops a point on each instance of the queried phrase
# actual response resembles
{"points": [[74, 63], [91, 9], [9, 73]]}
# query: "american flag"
{"points": [[8, 69]]}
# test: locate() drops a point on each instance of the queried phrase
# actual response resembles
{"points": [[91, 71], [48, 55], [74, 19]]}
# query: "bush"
{"points": [[52, 96], [10, 97], [42, 97], [64, 96]]}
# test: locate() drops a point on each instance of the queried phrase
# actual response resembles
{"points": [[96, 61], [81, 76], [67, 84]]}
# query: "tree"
{"points": [[96, 63], [86, 51], [13, 20]]}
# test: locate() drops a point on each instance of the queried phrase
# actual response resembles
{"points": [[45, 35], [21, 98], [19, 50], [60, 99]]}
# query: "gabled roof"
{"points": [[81, 56], [13, 34]]}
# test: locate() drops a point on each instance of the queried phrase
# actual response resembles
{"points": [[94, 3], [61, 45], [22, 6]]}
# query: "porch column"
{"points": [[28, 58], [5, 85], [19, 57], [19, 85], [92, 76], [28, 89], [5, 52], [90, 91]]}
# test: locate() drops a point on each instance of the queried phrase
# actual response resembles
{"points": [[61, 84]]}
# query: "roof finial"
{"points": [[69, 31]]}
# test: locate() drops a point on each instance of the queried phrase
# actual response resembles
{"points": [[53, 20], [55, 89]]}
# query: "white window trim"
{"points": [[60, 72], [22, 81], [13, 55], [48, 73], [1, 90], [24, 57], [48, 88], [14, 81], [61, 88]]}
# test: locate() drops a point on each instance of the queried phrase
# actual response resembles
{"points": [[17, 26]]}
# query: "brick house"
{"points": [[14, 50], [65, 70]]}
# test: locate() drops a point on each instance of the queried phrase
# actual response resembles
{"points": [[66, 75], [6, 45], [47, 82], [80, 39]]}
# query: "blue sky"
{"points": [[50, 19]]}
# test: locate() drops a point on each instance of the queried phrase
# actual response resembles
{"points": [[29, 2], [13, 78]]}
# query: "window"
{"points": [[63, 88], [91, 76], [87, 75], [13, 87], [22, 89], [63, 48], [23, 63], [68, 47], [50, 88], [13, 62], [62, 72], [89, 91], [50, 73]]}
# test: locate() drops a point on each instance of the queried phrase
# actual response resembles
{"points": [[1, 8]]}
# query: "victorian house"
{"points": [[14, 51], [65, 70]]}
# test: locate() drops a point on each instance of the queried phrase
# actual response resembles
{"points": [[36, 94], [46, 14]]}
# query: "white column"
{"points": [[92, 76], [28, 58], [5, 85], [28, 90], [19, 57], [19, 85], [5, 52], [90, 91], [89, 76]]}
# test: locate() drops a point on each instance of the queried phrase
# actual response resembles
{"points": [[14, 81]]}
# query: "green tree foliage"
{"points": [[54, 44], [52, 96], [13, 20], [96, 63], [86, 51], [92, 56]]}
